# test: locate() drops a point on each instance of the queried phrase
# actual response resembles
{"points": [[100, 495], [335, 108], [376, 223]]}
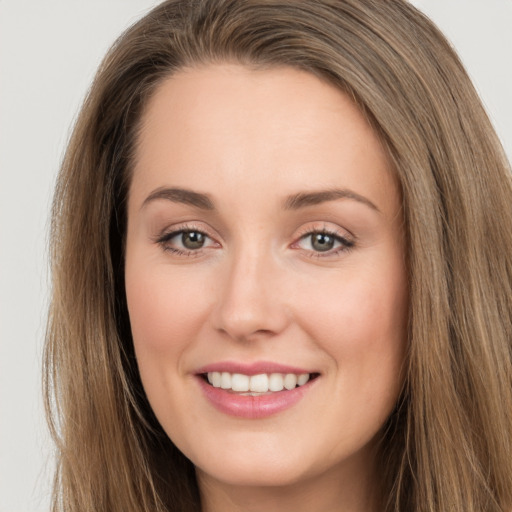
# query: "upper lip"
{"points": [[255, 368]]}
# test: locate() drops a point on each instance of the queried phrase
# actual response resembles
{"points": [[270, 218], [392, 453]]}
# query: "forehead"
{"points": [[240, 129]]}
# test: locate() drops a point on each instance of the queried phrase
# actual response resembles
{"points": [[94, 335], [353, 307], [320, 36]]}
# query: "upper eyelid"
{"points": [[345, 237], [163, 240], [181, 228], [336, 231], [346, 241], [328, 229]]}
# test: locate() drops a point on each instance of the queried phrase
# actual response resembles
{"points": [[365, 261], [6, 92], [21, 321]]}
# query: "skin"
{"points": [[259, 290]]}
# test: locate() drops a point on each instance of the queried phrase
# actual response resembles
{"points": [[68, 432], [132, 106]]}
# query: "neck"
{"points": [[338, 490]]}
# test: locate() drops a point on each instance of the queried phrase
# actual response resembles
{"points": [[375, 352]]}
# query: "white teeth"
{"points": [[302, 379], [290, 381], [239, 382], [225, 380], [276, 382], [259, 383], [255, 384], [216, 379]]}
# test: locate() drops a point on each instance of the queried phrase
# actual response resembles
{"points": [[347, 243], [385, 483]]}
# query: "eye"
{"points": [[324, 242], [185, 241], [192, 239]]}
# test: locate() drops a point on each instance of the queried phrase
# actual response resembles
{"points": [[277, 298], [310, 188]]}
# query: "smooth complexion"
{"points": [[265, 229]]}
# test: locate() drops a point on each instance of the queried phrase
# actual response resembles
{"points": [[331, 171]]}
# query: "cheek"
{"points": [[361, 323], [165, 314], [358, 313], [150, 315], [165, 308]]}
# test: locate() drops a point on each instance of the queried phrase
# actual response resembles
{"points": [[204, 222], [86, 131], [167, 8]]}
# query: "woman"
{"points": [[281, 243]]}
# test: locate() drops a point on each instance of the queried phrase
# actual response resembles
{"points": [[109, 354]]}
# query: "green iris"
{"points": [[322, 242], [192, 239]]}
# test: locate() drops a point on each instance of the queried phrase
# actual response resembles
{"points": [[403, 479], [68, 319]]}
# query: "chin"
{"points": [[253, 474]]}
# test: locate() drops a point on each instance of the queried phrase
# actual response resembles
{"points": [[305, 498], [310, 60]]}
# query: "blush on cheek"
{"points": [[360, 323], [165, 309], [149, 313]]}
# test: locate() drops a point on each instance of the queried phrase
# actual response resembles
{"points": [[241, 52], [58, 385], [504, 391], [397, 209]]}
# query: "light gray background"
{"points": [[49, 51]]}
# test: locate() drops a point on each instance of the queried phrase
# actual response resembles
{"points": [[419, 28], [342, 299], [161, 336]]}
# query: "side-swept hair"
{"points": [[448, 444]]}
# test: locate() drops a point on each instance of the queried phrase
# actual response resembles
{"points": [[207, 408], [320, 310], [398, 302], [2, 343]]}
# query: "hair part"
{"points": [[447, 446]]}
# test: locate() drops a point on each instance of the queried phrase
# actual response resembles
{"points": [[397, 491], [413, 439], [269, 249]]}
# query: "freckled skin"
{"points": [[258, 290]]}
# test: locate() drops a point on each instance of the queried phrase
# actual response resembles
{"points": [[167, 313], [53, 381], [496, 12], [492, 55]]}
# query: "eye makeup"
{"points": [[190, 240]]}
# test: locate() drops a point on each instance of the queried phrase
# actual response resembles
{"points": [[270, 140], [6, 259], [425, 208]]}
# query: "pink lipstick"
{"points": [[256, 390]]}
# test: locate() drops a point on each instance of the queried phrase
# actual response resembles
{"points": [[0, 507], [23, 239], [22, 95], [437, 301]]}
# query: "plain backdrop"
{"points": [[49, 51]]}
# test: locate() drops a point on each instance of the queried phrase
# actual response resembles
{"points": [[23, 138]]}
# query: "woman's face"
{"points": [[265, 252]]}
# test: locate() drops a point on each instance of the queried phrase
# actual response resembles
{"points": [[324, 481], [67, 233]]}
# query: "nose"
{"points": [[252, 302]]}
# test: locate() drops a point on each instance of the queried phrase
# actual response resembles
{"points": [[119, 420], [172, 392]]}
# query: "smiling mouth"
{"points": [[256, 385]]}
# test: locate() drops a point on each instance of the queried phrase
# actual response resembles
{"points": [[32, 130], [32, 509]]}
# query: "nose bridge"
{"points": [[251, 302]]}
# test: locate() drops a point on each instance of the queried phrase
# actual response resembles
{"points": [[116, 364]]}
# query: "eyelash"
{"points": [[345, 243], [164, 239]]}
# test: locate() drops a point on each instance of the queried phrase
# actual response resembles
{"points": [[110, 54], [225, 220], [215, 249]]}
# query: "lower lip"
{"points": [[253, 407]]}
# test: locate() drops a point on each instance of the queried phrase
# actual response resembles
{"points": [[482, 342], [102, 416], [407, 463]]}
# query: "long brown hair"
{"points": [[448, 444]]}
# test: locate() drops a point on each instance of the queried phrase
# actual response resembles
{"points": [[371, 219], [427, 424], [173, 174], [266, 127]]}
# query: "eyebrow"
{"points": [[293, 202], [181, 195], [304, 199]]}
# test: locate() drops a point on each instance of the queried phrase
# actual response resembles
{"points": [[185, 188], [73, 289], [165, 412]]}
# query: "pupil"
{"points": [[322, 242], [192, 239]]}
